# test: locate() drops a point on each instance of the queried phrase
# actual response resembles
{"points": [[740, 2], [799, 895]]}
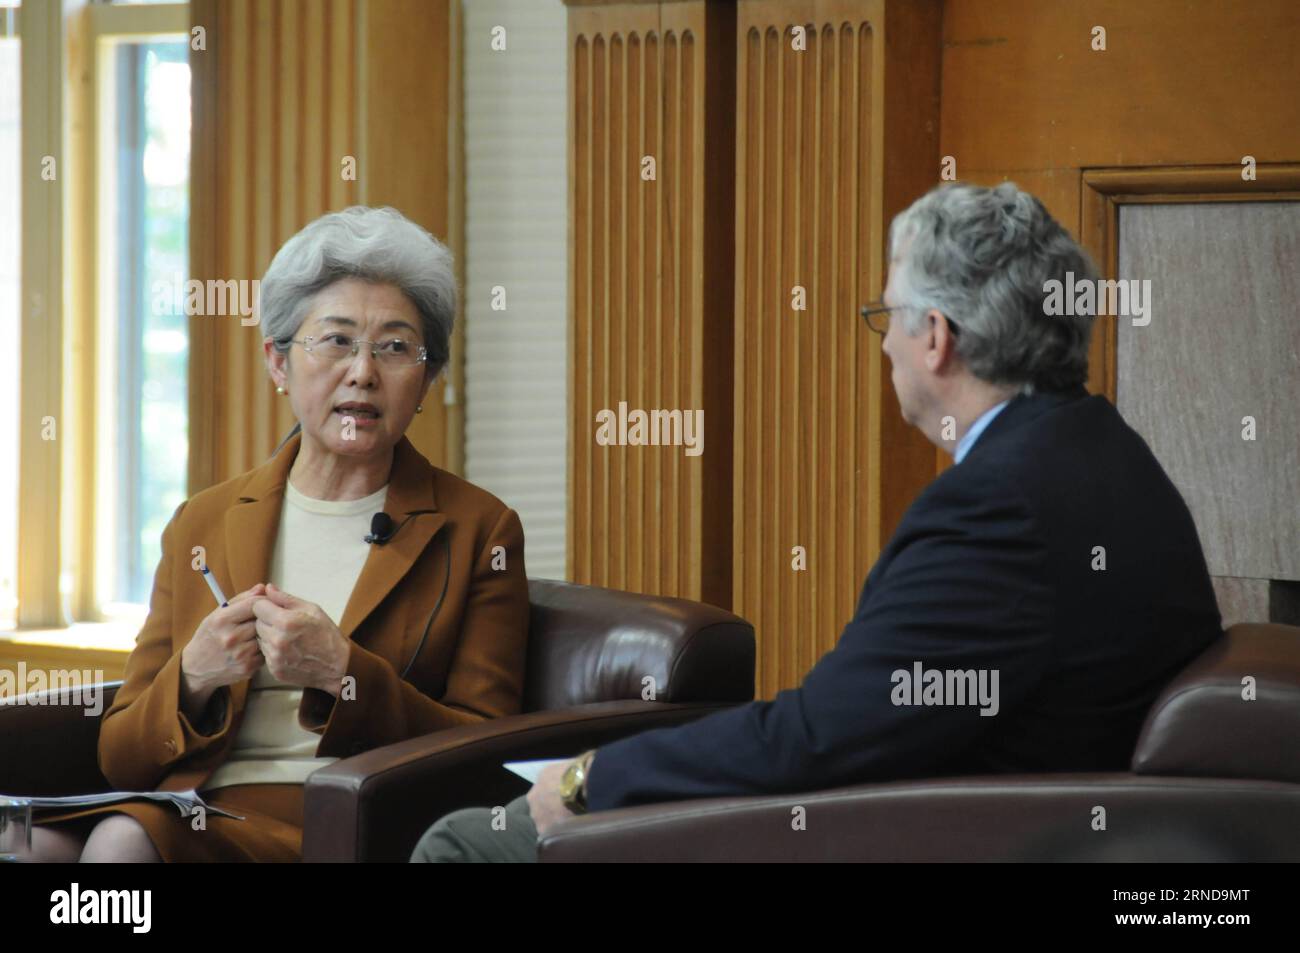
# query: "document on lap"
{"points": [[183, 801], [530, 771]]}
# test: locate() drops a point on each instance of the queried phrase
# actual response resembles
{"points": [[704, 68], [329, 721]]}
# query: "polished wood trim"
{"points": [[1098, 234], [1220, 180]]}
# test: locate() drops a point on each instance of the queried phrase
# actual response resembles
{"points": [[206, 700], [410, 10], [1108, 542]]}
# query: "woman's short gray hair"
{"points": [[981, 257], [380, 245]]}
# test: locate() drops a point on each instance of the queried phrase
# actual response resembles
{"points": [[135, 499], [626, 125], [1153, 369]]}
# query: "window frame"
{"points": [[60, 236]]}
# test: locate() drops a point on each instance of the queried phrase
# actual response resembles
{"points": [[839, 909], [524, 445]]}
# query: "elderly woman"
{"points": [[343, 631]]}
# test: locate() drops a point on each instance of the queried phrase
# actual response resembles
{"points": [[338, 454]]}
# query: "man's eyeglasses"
{"points": [[400, 350], [876, 315]]}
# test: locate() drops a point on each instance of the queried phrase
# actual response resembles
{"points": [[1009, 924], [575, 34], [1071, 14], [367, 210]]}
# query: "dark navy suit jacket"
{"points": [[992, 568]]}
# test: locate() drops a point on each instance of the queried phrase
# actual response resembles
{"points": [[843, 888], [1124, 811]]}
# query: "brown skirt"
{"points": [[271, 831]]}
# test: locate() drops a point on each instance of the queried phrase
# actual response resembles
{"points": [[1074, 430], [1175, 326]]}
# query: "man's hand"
{"points": [[544, 801], [301, 644]]}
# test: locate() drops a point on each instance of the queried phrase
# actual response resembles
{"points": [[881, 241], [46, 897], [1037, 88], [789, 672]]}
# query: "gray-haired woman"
{"points": [[343, 632]]}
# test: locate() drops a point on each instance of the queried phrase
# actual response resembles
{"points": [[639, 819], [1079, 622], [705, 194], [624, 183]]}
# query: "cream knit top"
{"points": [[318, 555]]}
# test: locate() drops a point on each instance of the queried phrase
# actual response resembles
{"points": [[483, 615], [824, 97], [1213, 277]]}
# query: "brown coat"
{"points": [[470, 668]]}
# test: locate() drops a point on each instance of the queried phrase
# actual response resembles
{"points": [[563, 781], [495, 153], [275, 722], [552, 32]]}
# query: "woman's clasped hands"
{"points": [[264, 625], [300, 643]]}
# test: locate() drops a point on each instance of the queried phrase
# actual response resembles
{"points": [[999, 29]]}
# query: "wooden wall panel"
{"points": [[804, 134], [253, 92], [1184, 90], [282, 94], [1180, 82], [1027, 99], [406, 51], [800, 196], [823, 460], [822, 457], [650, 287]]}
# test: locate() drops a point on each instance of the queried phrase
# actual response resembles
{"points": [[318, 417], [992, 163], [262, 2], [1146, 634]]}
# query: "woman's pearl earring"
{"points": [[281, 390], [419, 408]]}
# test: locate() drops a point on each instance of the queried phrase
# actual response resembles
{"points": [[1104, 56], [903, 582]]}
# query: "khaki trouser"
{"points": [[479, 835]]}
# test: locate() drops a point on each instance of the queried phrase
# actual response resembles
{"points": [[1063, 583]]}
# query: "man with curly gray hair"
{"points": [[1032, 603], [963, 315]]}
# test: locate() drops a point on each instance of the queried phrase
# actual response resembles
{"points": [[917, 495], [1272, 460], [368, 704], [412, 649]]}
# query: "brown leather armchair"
{"points": [[594, 657], [1213, 777]]}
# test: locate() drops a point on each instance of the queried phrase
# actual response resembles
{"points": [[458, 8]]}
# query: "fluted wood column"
{"points": [[651, 289], [837, 132], [836, 128]]}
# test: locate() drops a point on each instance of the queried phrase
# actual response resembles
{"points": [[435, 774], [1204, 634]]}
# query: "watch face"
{"points": [[569, 782]]}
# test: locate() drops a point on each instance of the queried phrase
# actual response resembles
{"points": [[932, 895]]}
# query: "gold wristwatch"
{"points": [[573, 783]]}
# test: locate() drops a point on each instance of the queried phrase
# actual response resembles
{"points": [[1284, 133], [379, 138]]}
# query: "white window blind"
{"points": [[516, 239]]}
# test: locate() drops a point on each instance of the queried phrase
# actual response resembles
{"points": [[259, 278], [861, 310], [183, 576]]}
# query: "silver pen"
{"points": [[212, 584]]}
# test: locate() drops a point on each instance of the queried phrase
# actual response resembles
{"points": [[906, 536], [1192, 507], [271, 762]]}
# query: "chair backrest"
{"points": [[1234, 712], [588, 644]]}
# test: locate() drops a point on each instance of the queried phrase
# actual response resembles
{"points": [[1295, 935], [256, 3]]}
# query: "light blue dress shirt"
{"points": [[968, 439]]}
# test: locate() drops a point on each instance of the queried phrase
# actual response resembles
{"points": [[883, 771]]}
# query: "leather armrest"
{"points": [[49, 741], [1009, 817], [376, 805]]}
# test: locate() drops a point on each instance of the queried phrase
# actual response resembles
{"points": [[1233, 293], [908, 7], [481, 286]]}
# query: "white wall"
{"points": [[516, 237]]}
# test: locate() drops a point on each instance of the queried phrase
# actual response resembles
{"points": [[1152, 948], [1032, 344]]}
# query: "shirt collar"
{"points": [[968, 439]]}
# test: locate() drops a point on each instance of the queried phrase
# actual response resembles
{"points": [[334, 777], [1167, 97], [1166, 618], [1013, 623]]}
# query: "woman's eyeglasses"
{"points": [[401, 350]]}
